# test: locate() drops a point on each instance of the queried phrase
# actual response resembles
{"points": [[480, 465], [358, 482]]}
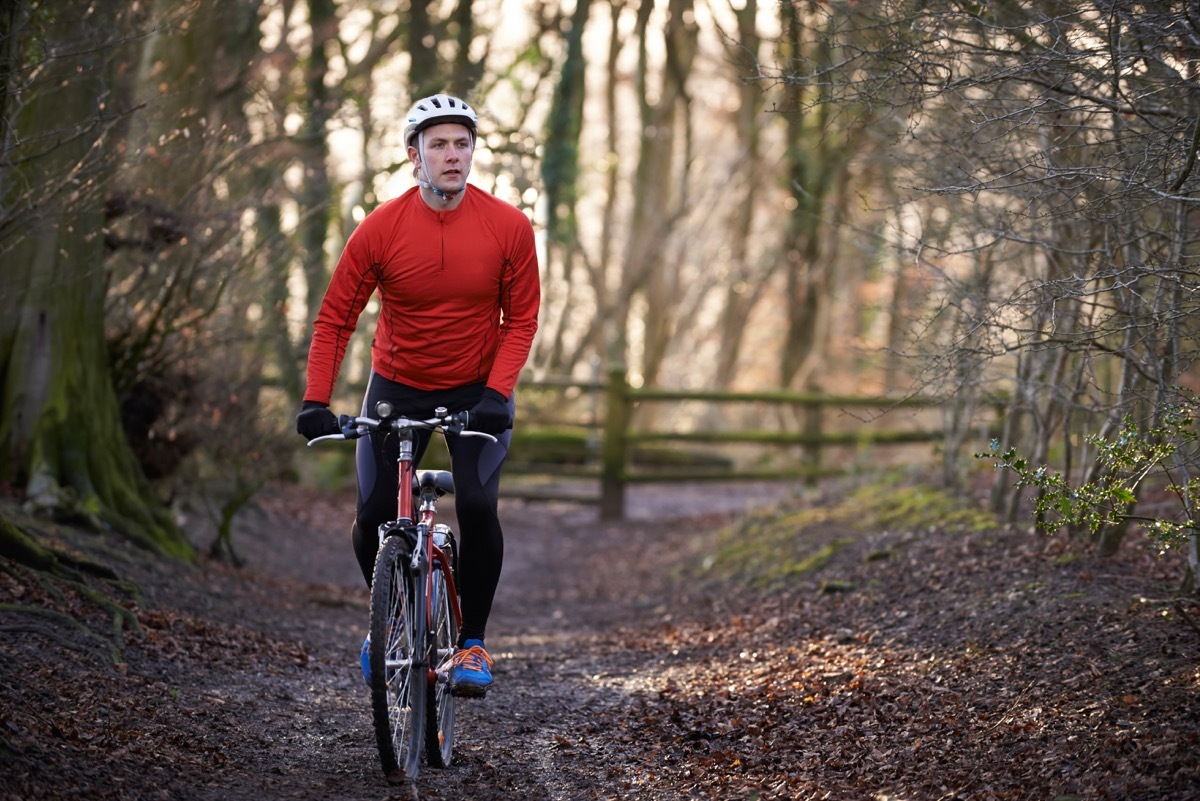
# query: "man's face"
{"points": [[448, 152]]}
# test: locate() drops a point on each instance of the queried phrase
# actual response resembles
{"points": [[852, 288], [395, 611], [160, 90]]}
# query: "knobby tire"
{"points": [[399, 691], [439, 720]]}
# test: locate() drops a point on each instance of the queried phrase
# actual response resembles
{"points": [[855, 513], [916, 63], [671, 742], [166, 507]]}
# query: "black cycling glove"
{"points": [[492, 415], [315, 420]]}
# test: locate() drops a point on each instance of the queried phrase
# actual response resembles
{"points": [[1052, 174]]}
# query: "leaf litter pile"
{"points": [[881, 643]]}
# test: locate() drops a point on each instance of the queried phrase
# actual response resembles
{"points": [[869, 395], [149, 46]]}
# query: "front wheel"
{"points": [[439, 723], [398, 667]]}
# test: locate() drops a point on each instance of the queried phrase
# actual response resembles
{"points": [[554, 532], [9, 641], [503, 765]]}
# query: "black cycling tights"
{"points": [[476, 464]]}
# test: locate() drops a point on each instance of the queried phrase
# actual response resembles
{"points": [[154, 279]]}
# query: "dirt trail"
{"points": [[568, 581], [244, 685], [944, 664]]}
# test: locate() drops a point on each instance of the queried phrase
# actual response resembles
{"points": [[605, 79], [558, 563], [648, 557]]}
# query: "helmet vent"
{"points": [[438, 109]]}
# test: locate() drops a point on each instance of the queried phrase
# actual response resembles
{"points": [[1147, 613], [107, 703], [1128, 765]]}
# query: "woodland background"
{"points": [[992, 204]]}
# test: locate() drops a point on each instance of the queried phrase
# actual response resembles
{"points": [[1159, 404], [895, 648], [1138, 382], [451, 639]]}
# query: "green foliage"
{"points": [[1129, 460]]}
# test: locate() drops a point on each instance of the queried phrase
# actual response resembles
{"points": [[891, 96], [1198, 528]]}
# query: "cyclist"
{"points": [[457, 274]]}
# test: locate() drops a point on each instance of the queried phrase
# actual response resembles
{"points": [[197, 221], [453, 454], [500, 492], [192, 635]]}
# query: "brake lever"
{"points": [[455, 424]]}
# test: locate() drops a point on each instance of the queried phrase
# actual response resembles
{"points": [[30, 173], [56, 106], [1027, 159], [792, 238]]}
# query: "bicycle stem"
{"points": [[404, 499]]}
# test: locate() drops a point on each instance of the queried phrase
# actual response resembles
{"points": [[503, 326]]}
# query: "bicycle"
{"points": [[415, 615]]}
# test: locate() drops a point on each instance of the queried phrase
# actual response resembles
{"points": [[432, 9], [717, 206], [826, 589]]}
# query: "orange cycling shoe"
{"points": [[470, 670]]}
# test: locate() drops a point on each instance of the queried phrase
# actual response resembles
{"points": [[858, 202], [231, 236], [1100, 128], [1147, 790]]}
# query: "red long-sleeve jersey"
{"points": [[459, 294]]}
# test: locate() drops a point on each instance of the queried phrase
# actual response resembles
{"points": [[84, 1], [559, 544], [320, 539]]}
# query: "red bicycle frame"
{"points": [[418, 504]]}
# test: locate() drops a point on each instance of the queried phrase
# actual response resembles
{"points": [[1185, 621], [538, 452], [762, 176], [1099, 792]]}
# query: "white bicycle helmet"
{"points": [[437, 109]]}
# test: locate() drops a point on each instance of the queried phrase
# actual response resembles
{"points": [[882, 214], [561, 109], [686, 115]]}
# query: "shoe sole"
{"points": [[468, 691]]}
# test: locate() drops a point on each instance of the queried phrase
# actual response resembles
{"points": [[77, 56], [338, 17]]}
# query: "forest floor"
{"points": [[635, 660]]}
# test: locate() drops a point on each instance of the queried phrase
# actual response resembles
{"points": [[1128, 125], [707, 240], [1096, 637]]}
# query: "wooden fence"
{"points": [[617, 437]]}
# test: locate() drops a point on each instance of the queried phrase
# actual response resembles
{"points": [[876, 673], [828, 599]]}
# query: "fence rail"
{"points": [[617, 437]]}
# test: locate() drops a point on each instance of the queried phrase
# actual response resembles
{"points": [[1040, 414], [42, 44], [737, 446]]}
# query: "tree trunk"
{"points": [[823, 142], [657, 200], [466, 73], [314, 195], [747, 281], [664, 282], [600, 336], [60, 437], [811, 166], [560, 176], [424, 77]]}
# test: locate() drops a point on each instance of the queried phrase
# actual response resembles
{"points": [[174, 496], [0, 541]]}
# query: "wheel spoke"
{"points": [[439, 731], [397, 680]]}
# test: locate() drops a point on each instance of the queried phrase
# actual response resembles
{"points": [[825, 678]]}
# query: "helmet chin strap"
{"points": [[445, 196]]}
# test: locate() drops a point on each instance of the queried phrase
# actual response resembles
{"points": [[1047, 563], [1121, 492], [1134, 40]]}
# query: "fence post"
{"points": [[616, 429], [813, 412]]}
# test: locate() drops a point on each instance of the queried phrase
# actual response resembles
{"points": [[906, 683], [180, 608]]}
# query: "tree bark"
{"points": [[664, 286], [810, 170], [314, 195], [658, 199], [560, 177], [747, 281], [424, 77], [60, 436]]}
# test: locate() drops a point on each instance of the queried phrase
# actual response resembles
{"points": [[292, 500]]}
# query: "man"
{"points": [[457, 273]]}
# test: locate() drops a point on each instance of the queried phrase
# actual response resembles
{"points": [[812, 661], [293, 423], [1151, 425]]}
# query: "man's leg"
{"points": [[477, 465]]}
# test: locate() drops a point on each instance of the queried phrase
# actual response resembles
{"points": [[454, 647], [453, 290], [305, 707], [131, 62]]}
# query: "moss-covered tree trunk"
{"points": [[811, 166], [61, 439], [314, 197], [560, 177]]}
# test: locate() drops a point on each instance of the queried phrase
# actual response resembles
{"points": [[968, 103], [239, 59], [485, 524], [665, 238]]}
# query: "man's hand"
{"points": [[491, 415], [315, 420]]}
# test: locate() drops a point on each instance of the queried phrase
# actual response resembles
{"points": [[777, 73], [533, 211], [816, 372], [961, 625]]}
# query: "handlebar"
{"points": [[355, 427]]}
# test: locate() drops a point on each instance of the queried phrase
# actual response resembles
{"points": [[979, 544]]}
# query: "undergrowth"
{"points": [[770, 548]]}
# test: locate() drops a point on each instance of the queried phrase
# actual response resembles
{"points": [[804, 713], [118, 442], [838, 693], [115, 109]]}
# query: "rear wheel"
{"points": [[439, 722], [398, 671]]}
